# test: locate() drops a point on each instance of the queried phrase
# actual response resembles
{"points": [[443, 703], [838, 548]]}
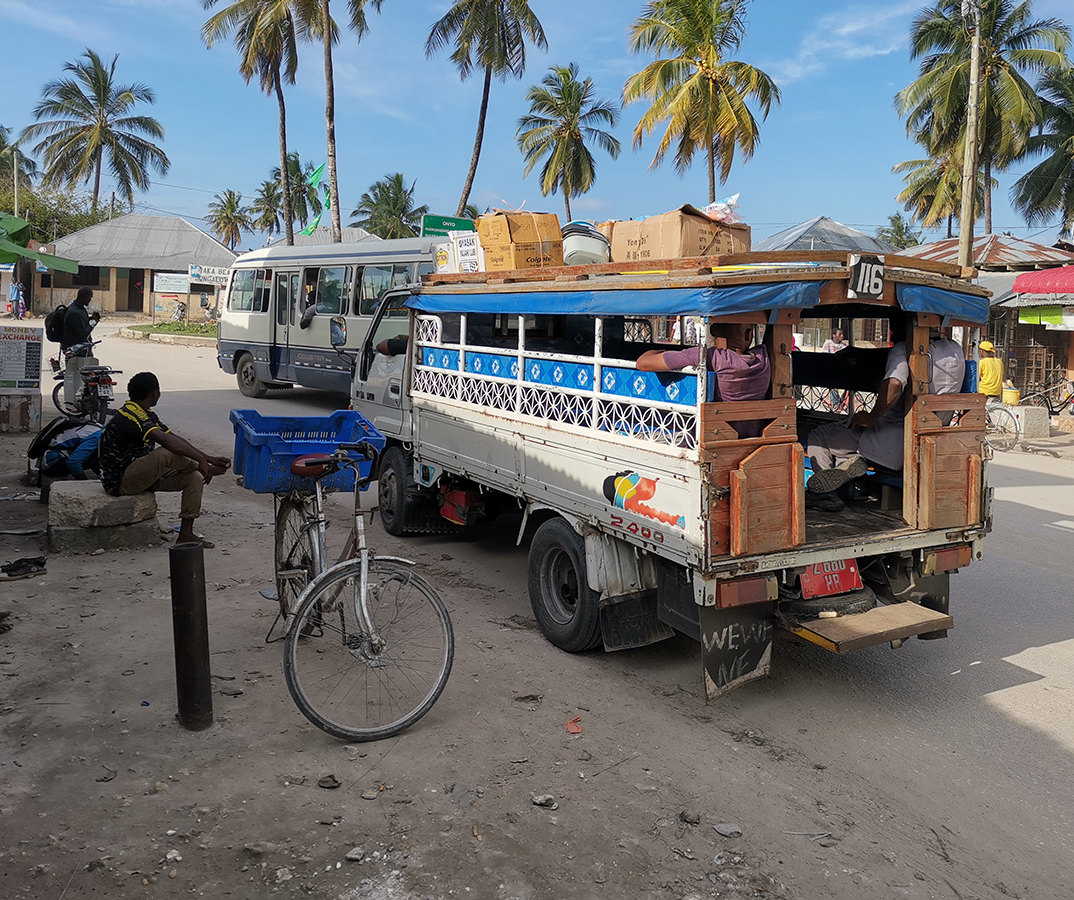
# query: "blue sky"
{"points": [[827, 149]]}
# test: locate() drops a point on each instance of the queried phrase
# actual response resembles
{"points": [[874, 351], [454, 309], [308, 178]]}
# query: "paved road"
{"points": [[973, 731]]}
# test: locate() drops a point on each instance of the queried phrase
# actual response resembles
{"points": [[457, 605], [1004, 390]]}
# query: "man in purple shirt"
{"points": [[743, 372]]}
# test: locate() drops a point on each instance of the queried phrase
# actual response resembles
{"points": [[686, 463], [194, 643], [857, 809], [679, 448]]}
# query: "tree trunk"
{"points": [[712, 171], [477, 144], [330, 125], [285, 177], [567, 204], [950, 216], [97, 181], [988, 195]]}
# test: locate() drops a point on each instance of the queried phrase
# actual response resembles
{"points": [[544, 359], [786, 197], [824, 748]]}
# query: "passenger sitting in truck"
{"points": [[840, 452], [743, 372]]}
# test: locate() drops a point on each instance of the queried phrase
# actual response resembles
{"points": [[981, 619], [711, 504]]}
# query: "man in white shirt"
{"points": [[839, 452]]}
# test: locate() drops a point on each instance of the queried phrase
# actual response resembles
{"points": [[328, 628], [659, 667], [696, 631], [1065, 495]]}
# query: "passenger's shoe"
{"points": [[825, 481], [824, 502]]}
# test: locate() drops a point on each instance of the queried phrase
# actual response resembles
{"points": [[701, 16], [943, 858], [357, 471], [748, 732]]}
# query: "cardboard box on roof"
{"points": [[462, 252], [682, 233], [525, 255], [506, 227]]}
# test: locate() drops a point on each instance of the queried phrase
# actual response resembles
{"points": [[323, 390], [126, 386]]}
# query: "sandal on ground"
{"points": [[22, 569], [21, 563]]}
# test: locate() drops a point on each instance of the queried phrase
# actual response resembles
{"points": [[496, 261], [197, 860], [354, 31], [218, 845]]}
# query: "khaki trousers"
{"points": [[162, 470]]}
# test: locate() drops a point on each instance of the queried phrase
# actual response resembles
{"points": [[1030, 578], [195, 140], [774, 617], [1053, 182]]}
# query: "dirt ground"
{"points": [[105, 795]]}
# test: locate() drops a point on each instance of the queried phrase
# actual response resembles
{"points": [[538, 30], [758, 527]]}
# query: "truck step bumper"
{"points": [[894, 622]]}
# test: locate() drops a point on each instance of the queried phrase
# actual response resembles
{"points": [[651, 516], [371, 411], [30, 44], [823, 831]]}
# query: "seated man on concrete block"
{"points": [[840, 452], [130, 464]]}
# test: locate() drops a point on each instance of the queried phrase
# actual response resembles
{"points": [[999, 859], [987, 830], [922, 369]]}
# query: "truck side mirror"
{"points": [[337, 331]]}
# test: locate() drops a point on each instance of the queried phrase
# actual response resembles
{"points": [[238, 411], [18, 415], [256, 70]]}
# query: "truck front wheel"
{"points": [[392, 482], [566, 608]]}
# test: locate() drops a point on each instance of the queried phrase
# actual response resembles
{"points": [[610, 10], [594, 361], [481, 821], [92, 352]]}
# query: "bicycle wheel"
{"points": [[65, 408], [1001, 429], [293, 556], [340, 679]]}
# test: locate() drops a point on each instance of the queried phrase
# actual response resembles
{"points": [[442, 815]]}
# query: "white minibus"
{"points": [[261, 337]]}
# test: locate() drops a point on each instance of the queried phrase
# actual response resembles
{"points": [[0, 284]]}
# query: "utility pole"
{"points": [[15, 176], [112, 207], [969, 159]]}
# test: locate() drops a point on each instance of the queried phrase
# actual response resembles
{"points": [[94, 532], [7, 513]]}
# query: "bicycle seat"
{"points": [[312, 466]]}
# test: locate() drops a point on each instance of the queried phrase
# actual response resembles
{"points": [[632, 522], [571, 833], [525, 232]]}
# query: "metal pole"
{"points": [[190, 625], [969, 157], [15, 178]]}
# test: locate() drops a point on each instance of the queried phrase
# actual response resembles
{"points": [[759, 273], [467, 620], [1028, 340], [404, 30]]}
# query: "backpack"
{"points": [[54, 324]]}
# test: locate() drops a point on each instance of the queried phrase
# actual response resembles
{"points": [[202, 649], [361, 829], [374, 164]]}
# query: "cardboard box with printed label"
{"points": [[503, 227], [499, 257], [462, 252], [679, 234]]}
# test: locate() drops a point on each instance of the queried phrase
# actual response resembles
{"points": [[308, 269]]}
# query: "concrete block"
{"points": [[70, 539], [84, 504], [1033, 421]]}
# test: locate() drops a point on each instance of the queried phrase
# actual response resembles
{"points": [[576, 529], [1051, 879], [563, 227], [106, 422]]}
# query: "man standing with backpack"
{"points": [[77, 326]]}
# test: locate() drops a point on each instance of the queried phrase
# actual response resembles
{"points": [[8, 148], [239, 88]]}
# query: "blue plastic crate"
{"points": [[266, 445]]}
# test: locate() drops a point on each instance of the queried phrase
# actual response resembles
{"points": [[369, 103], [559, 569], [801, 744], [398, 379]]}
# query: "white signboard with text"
{"points": [[208, 274], [171, 283]]}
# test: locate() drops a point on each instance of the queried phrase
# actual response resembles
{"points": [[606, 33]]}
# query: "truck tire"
{"points": [[566, 608], [841, 604], [250, 383]]}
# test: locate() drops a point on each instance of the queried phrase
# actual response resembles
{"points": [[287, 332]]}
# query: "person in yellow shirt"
{"points": [[990, 371]]}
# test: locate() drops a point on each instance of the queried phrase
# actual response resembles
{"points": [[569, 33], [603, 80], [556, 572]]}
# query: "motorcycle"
{"points": [[96, 391]]}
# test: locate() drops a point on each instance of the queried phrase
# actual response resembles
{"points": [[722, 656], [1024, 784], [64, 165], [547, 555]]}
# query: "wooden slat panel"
{"points": [[877, 626], [715, 416], [764, 500], [782, 341]]}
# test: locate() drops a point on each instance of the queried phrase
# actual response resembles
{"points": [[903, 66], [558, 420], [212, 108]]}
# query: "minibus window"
{"points": [[425, 268], [375, 281], [262, 285], [332, 283], [241, 295]]}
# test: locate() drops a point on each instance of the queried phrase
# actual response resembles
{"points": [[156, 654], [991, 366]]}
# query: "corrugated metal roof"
{"points": [[139, 241], [994, 251], [822, 233], [323, 235]]}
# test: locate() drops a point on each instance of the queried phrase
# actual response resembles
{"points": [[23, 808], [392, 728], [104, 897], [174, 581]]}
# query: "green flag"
{"points": [[315, 179], [312, 225]]}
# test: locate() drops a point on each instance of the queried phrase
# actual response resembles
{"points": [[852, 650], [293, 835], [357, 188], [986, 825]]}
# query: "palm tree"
{"points": [[490, 35], [563, 114], [1011, 44], [899, 233], [696, 89], [1047, 189], [933, 189], [9, 152], [387, 209], [87, 120], [265, 208], [266, 38], [305, 200], [319, 24], [228, 218]]}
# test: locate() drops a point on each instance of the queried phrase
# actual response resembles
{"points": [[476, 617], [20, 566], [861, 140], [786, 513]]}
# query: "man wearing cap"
{"points": [[989, 372]]}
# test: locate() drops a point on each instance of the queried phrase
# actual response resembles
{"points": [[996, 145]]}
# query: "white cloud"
{"points": [[34, 16], [854, 33]]}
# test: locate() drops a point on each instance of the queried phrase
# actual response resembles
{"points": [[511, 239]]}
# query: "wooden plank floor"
{"points": [[859, 518], [877, 626]]}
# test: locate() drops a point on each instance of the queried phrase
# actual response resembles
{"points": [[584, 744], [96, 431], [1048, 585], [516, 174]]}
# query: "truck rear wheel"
{"points": [[566, 608]]}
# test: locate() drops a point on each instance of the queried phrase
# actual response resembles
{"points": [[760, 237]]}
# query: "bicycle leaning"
{"points": [[368, 643], [1057, 398]]}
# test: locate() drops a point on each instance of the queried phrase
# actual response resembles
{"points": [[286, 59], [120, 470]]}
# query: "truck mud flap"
{"points": [[736, 645], [892, 623], [631, 621]]}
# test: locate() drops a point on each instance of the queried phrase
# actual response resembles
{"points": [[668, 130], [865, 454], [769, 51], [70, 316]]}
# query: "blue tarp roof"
{"points": [[712, 301]]}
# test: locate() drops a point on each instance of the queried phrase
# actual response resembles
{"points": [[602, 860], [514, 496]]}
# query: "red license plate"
{"points": [[828, 578]]}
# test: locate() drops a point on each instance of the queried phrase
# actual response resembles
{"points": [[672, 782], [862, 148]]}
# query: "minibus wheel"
{"points": [[246, 374], [566, 608]]}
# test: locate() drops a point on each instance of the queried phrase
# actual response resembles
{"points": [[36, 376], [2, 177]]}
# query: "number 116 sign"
{"points": [[866, 277]]}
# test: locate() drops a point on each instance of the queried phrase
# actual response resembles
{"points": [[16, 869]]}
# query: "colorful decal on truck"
{"points": [[628, 489]]}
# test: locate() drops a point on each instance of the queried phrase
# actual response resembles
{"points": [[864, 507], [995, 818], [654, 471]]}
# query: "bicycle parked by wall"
{"points": [[1057, 398], [368, 643]]}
